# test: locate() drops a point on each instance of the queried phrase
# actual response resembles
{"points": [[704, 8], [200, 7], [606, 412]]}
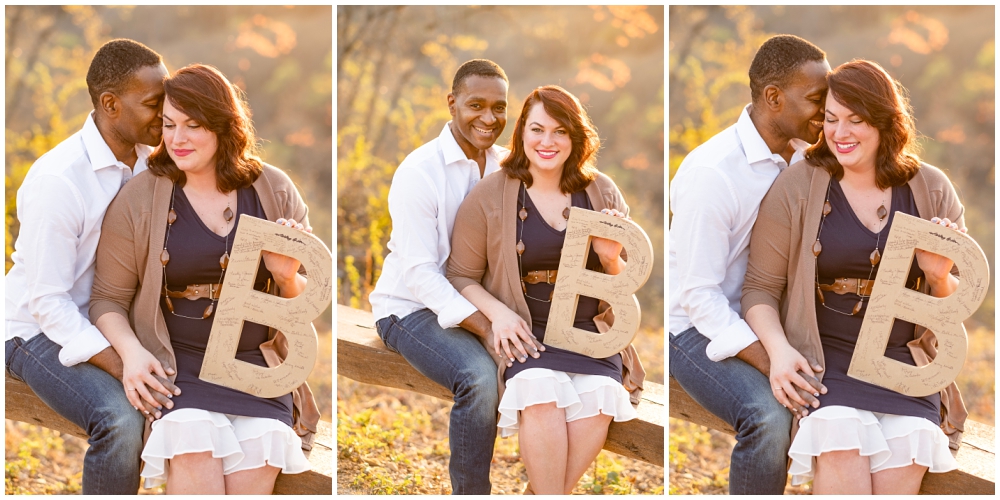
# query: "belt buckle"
{"points": [[548, 276]]}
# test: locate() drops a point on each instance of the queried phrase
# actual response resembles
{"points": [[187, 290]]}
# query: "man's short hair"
{"points": [[114, 64], [478, 67], [777, 61]]}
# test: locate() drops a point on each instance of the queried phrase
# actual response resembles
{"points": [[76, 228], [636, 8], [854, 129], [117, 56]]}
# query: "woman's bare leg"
{"points": [[195, 474], [842, 473], [542, 438], [259, 481], [898, 481], [585, 438]]}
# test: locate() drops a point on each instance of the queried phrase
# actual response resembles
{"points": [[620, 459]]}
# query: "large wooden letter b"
{"points": [[891, 299], [574, 280], [239, 302]]}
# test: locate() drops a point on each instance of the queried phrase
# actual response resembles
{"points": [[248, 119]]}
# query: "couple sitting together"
{"points": [[144, 262], [779, 224], [464, 294]]}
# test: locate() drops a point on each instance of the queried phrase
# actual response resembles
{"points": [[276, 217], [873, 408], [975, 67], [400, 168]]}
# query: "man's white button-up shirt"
{"points": [[424, 197], [60, 206], [715, 197]]}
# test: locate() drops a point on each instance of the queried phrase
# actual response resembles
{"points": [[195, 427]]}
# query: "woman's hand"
{"points": [[141, 371], [609, 251], [284, 269], [511, 336], [937, 268], [785, 378]]}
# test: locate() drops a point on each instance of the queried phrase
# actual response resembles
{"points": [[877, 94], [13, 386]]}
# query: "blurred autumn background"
{"points": [[281, 56], [944, 56], [394, 69]]}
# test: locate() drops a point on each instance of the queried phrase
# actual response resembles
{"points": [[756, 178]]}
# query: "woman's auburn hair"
{"points": [[868, 91], [204, 94], [579, 169]]}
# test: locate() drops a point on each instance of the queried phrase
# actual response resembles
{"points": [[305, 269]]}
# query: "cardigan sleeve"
{"points": [[770, 250], [467, 263], [295, 206], [116, 275]]}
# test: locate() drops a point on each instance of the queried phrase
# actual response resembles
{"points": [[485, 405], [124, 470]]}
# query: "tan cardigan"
{"points": [[482, 252], [129, 277], [781, 272]]}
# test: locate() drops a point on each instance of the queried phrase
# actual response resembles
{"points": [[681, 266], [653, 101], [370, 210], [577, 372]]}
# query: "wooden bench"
{"points": [[23, 405], [362, 356], [976, 456]]}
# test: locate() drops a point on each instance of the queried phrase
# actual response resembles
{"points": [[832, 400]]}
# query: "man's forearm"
{"points": [[109, 361], [478, 324], [755, 356]]}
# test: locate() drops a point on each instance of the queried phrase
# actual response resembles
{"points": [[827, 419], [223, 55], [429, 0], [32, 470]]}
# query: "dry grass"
{"points": [[40, 461], [699, 457], [391, 441]]}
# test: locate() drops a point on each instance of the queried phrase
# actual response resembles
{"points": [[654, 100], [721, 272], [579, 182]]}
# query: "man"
{"points": [[714, 197], [50, 342], [418, 310]]}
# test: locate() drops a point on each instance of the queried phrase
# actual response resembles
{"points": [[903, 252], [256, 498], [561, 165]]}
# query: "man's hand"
{"points": [[818, 388], [480, 325], [755, 356], [109, 361]]}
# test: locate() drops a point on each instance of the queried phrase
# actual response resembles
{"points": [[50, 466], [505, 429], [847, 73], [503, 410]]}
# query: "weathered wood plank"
{"points": [[976, 474], [362, 356], [22, 405]]}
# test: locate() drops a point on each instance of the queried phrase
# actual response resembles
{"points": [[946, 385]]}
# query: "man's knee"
{"points": [[768, 421], [477, 385], [122, 425]]}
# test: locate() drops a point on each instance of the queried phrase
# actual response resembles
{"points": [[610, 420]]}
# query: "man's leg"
{"points": [[92, 399], [739, 394], [455, 359]]}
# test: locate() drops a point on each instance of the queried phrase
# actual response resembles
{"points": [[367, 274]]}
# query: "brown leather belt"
{"points": [[862, 287], [841, 286], [195, 292], [536, 277]]}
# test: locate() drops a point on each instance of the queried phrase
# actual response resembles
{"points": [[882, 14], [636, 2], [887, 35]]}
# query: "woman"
{"points": [[164, 249], [818, 240], [506, 245]]}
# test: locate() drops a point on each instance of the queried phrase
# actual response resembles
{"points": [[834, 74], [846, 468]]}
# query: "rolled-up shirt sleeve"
{"points": [[704, 212], [413, 207], [52, 219]]}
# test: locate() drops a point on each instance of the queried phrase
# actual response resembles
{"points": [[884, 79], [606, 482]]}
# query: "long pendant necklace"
{"points": [[523, 214], [223, 261], [874, 257]]}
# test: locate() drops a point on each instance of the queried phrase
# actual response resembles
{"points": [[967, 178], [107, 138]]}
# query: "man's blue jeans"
{"points": [[739, 394], [92, 399], [455, 359]]}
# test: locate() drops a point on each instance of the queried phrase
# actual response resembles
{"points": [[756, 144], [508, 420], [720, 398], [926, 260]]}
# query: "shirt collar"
{"points": [[100, 153], [753, 144], [453, 152], [756, 149]]}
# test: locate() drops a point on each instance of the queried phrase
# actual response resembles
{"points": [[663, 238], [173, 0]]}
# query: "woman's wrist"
{"points": [[941, 287]]}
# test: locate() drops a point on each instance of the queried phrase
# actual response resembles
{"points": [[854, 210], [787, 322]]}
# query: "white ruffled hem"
{"points": [[241, 442], [582, 396], [889, 441]]}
